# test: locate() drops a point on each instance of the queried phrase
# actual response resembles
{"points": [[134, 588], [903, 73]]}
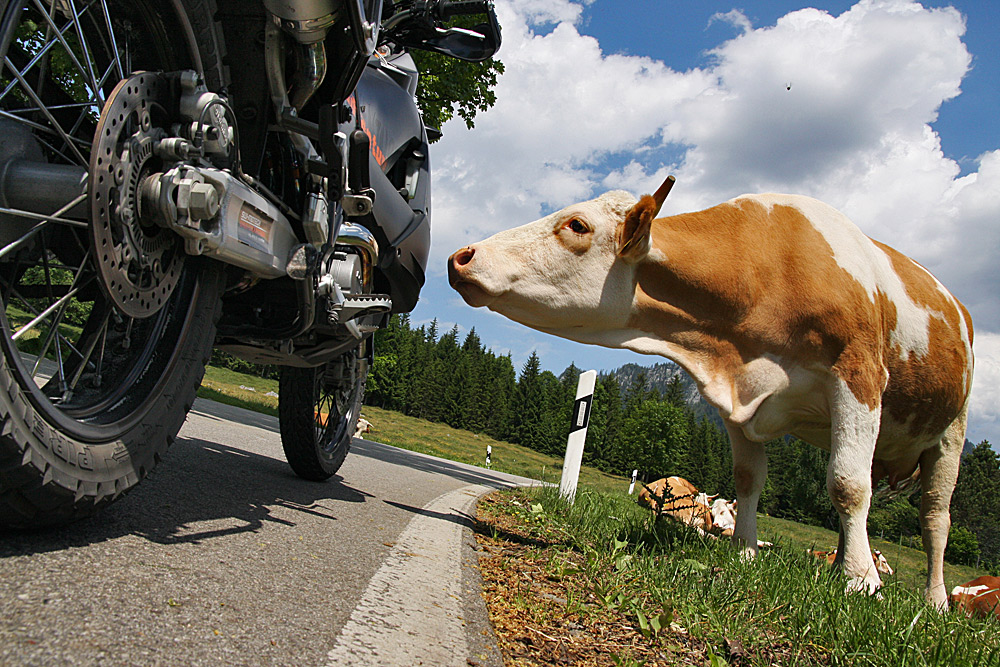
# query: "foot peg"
{"points": [[355, 306]]}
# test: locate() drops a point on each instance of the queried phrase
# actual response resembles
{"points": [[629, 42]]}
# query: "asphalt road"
{"points": [[223, 557]]}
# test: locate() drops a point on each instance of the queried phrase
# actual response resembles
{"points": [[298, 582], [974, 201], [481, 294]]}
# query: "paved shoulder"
{"points": [[413, 610]]}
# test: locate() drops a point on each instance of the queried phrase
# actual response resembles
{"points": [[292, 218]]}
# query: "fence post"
{"points": [[577, 435]]}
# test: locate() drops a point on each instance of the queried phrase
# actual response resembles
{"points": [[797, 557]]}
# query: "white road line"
{"points": [[411, 612]]}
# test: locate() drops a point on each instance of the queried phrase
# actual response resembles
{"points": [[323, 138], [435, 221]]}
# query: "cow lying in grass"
{"points": [[724, 516], [979, 597], [677, 498], [789, 319]]}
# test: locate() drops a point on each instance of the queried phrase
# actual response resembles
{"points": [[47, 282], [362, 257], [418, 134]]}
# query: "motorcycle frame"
{"points": [[395, 254]]}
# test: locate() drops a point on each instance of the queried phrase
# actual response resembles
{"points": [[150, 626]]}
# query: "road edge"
{"points": [[424, 605]]}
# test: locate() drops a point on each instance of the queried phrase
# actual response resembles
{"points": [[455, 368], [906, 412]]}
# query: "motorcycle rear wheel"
{"points": [[319, 409], [90, 398]]}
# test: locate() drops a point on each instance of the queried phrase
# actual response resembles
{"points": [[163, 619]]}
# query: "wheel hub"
{"points": [[140, 263]]}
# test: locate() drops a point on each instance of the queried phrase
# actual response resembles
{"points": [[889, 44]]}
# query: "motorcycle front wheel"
{"points": [[91, 392], [318, 409]]}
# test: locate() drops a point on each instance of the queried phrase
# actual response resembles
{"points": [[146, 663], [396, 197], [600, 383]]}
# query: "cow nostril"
{"points": [[464, 256]]}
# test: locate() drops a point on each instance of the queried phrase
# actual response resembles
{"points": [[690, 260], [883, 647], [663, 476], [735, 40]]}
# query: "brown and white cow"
{"points": [[980, 597], [724, 516], [678, 499], [789, 319]]}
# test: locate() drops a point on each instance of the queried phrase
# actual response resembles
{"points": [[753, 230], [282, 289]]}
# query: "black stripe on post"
{"points": [[581, 413]]}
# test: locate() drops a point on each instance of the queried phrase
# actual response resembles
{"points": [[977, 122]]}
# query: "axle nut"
{"points": [[204, 201]]}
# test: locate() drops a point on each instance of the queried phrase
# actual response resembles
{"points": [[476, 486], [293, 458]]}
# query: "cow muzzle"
{"points": [[462, 281]]}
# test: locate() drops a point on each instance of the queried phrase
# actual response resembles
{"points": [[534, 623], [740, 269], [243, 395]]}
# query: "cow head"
{"points": [[571, 270]]}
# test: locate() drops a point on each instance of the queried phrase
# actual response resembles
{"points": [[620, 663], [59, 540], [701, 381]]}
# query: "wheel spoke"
{"points": [[41, 107], [91, 346], [45, 221], [114, 43], [58, 34], [44, 314], [62, 61], [98, 93], [42, 53]]}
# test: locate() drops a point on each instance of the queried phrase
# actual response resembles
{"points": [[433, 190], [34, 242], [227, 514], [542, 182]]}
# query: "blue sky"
{"points": [[891, 117]]}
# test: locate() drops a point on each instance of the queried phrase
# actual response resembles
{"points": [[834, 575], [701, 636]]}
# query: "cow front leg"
{"points": [[749, 473], [854, 431]]}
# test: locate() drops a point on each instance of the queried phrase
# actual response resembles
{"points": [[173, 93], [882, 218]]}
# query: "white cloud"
{"points": [[733, 17], [838, 107], [546, 12], [984, 410]]}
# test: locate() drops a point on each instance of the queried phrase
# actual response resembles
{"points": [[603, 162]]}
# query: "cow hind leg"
{"points": [[749, 473], [838, 561], [854, 431], [938, 474]]}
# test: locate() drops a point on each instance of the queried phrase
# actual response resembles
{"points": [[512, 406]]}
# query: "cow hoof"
{"points": [[863, 585]]}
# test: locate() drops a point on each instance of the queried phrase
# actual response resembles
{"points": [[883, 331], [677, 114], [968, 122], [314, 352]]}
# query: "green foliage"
{"points": [[76, 312], [225, 360], [32, 38], [899, 517], [976, 501], [449, 86], [963, 547], [655, 436], [797, 483]]}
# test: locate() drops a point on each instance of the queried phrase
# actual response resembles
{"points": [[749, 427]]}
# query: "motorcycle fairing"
{"points": [[399, 150]]}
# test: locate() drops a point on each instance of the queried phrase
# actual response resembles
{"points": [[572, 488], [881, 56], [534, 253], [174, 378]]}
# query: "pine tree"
{"points": [[526, 416], [653, 435], [674, 393], [501, 392], [975, 504], [472, 344]]}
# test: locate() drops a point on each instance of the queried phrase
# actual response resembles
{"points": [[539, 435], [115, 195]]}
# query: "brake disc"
{"points": [[140, 262]]}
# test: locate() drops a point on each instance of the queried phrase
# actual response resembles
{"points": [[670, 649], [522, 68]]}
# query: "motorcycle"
{"points": [[177, 175]]}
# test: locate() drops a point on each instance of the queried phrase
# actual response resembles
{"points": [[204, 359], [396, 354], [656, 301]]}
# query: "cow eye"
{"points": [[577, 227]]}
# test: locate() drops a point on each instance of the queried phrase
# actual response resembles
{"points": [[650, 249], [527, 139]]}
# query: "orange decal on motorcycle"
{"points": [[376, 151]]}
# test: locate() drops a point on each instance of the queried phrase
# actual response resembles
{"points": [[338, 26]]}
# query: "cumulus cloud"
{"points": [[840, 107], [984, 409]]}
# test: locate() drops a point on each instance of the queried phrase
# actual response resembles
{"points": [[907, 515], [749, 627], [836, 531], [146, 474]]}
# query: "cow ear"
{"points": [[661, 192], [633, 231]]}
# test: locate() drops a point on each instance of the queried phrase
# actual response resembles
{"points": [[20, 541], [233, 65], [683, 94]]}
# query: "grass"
{"points": [[243, 391], [909, 563], [674, 597]]}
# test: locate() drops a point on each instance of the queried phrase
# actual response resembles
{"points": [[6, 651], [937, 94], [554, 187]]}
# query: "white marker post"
{"points": [[631, 487], [577, 435]]}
